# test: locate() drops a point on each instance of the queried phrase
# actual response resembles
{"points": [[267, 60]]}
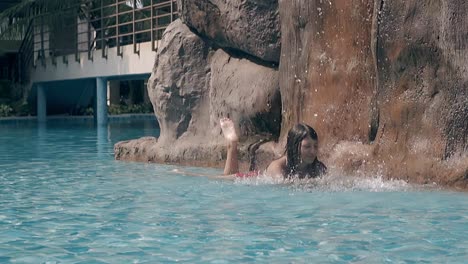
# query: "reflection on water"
{"points": [[103, 139], [41, 137]]}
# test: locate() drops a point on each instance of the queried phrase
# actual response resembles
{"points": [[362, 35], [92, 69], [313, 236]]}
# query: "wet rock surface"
{"points": [[326, 70], [422, 62], [383, 82]]}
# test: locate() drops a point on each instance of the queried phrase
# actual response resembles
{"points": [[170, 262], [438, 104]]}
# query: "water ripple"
{"points": [[63, 199]]}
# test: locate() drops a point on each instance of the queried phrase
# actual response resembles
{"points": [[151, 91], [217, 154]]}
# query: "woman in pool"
{"points": [[300, 159]]}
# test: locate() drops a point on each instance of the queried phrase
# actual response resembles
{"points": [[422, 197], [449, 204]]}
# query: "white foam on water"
{"points": [[261, 179], [340, 183], [334, 183]]}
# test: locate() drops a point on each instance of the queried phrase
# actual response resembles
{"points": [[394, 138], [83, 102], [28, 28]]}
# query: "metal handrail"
{"points": [[109, 29]]}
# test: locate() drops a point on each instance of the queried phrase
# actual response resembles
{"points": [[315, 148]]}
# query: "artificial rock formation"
{"points": [[326, 70], [191, 88], [180, 80], [246, 92], [178, 89], [249, 26], [422, 92], [383, 82]]}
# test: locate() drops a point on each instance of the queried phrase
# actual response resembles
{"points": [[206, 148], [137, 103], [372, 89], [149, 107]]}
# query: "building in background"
{"points": [[93, 54]]}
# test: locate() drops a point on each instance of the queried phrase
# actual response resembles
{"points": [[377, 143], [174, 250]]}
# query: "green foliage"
{"points": [[22, 109], [5, 110], [130, 109], [89, 111], [18, 108]]}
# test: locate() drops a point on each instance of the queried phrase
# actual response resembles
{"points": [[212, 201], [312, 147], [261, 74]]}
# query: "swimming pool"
{"points": [[64, 199]]}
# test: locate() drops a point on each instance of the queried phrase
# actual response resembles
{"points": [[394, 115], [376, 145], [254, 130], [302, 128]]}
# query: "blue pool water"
{"points": [[64, 199]]}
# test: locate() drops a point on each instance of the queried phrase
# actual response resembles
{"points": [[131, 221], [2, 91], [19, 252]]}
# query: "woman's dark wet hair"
{"points": [[293, 145]]}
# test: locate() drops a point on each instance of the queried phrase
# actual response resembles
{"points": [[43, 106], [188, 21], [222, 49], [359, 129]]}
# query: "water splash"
{"points": [[334, 183], [261, 179]]}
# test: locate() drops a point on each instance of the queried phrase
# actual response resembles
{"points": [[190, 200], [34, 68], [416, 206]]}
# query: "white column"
{"points": [[41, 104], [101, 100]]}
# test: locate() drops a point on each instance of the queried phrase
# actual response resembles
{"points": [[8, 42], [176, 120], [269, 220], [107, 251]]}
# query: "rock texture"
{"points": [[422, 62], [191, 88], [326, 70], [246, 92], [250, 26], [180, 81], [384, 83]]}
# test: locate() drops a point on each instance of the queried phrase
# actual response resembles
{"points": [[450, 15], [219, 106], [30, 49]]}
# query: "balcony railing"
{"points": [[100, 25]]}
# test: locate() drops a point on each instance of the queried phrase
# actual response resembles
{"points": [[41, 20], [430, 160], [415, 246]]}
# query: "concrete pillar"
{"points": [[101, 101], [41, 104]]}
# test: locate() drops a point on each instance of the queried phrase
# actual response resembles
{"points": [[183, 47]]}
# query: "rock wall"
{"points": [[422, 62], [327, 74], [251, 26], [246, 92], [383, 82], [193, 85], [180, 81]]}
